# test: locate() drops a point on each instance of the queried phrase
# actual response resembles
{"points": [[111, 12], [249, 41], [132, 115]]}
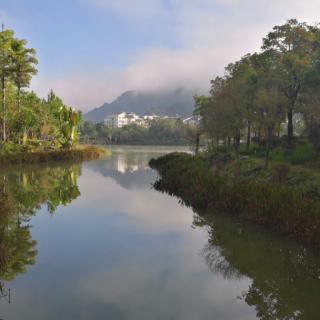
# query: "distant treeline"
{"points": [[159, 131], [262, 93]]}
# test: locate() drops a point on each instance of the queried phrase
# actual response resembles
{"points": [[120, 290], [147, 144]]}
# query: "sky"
{"points": [[91, 51]]}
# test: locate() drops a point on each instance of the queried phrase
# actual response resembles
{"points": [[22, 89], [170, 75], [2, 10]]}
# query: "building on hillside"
{"points": [[122, 119], [116, 120]]}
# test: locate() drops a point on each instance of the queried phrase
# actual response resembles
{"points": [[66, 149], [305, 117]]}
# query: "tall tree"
{"points": [[23, 65], [295, 42], [6, 38]]}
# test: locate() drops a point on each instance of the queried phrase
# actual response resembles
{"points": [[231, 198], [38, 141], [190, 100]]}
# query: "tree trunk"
{"points": [[290, 127], [18, 98], [268, 140], [237, 143], [25, 136], [248, 135], [212, 142], [197, 142], [259, 135], [18, 107], [4, 137]]}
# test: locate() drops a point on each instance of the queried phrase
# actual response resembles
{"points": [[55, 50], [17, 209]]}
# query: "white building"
{"points": [[122, 119]]}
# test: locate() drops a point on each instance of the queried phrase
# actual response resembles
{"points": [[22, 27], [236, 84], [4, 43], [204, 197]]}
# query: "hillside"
{"points": [[179, 102]]}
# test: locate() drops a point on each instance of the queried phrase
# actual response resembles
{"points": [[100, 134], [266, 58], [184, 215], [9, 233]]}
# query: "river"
{"points": [[96, 241]]}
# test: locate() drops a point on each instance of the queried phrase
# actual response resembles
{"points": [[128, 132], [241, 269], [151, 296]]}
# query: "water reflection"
{"points": [[129, 165], [125, 251], [22, 192], [285, 275]]}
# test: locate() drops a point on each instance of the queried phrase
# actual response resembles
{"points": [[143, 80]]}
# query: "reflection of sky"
{"points": [[120, 253]]}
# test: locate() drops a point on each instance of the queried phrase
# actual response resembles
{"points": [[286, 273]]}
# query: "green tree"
{"points": [[23, 65], [65, 120], [103, 132], [294, 41], [6, 38]]}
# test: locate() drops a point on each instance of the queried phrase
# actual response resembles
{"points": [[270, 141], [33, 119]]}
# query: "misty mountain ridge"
{"points": [[179, 102]]}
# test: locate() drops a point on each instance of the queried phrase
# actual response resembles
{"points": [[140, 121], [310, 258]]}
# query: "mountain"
{"points": [[179, 102]]}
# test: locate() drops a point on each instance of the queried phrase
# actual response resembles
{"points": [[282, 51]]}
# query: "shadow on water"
{"points": [[23, 190], [285, 276]]}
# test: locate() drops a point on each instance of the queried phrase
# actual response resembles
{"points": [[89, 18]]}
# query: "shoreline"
{"points": [[288, 209], [83, 153]]}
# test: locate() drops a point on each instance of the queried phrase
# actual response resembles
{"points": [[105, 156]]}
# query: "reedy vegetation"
{"points": [[25, 118]]}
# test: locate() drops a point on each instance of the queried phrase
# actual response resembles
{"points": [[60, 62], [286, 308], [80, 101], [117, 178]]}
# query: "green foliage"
{"points": [[23, 116], [7, 148]]}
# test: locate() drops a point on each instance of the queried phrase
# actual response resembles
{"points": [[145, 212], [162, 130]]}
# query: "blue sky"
{"points": [[90, 51]]}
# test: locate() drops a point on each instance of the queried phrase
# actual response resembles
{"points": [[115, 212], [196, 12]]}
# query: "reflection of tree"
{"points": [[217, 263], [28, 189], [22, 192], [285, 276]]}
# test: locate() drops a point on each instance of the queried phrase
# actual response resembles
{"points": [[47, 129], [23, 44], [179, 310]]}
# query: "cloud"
{"points": [[209, 34]]}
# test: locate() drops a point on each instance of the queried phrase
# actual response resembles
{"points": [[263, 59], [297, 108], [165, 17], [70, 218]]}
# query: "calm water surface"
{"points": [[95, 241]]}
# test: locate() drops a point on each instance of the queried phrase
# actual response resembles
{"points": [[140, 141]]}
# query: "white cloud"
{"points": [[211, 34]]}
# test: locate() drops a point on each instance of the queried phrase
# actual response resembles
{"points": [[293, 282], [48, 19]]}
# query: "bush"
{"points": [[262, 201]]}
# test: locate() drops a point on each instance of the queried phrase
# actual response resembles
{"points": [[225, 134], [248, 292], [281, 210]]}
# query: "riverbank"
{"points": [[286, 198], [141, 143], [79, 153]]}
